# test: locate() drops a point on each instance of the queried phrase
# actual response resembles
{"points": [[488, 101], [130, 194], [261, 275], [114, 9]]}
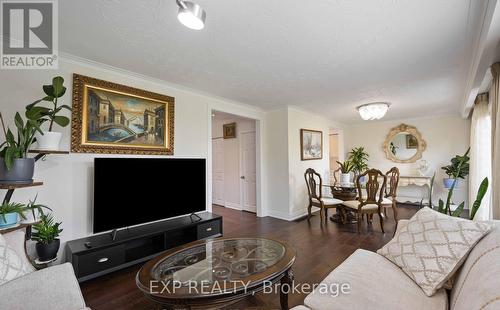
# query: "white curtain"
{"points": [[495, 129], [480, 155]]}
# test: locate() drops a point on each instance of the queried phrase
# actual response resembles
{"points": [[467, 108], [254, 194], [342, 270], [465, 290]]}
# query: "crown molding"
{"points": [[73, 59]]}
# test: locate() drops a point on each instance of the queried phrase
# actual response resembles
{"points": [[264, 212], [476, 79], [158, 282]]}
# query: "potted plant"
{"points": [[345, 171], [33, 211], [359, 158], [16, 167], [458, 169], [49, 140], [45, 234], [10, 212]]}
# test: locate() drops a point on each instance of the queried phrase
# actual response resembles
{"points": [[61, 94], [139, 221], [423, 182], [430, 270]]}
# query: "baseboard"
{"points": [[233, 206], [289, 216]]}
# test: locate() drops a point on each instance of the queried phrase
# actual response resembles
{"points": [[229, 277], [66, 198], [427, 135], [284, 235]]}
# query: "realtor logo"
{"points": [[29, 34]]}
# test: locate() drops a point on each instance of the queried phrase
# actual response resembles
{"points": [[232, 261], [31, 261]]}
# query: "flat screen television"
{"points": [[132, 191]]}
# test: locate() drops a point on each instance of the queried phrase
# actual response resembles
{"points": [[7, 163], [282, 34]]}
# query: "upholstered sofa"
{"points": [[377, 283], [52, 288]]}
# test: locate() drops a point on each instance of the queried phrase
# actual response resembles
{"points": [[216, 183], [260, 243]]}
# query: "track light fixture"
{"points": [[191, 15]]}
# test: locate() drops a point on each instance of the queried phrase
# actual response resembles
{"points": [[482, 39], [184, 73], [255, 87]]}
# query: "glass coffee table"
{"points": [[218, 272]]}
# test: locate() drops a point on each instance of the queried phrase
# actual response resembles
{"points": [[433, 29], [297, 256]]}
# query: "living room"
{"points": [[117, 116]]}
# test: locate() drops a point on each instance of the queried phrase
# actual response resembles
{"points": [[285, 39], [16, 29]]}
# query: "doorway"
{"points": [[234, 166], [336, 145]]}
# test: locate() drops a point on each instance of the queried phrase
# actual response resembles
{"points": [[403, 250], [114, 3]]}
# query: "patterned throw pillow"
{"points": [[432, 247], [11, 265]]}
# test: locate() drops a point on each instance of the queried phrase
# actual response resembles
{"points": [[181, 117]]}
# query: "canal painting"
{"points": [[113, 117], [121, 119]]}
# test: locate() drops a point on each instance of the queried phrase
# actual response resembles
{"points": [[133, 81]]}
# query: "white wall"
{"points": [[298, 119], [68, 179], [286, 169], [232, 166], [276, 145], [445, 137]]}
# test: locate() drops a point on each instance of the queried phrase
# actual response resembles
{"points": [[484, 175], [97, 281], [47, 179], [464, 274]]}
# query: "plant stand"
{"points": [[10, 187]]}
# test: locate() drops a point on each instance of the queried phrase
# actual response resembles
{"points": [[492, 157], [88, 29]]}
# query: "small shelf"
{"points": [[11, 186], [45, 152], [14, 228]]}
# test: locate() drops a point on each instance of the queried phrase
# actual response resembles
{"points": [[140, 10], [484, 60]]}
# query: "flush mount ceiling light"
{"points": [[191, 15], [371, 111]]}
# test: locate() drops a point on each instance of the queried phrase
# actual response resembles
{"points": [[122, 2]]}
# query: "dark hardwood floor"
{"points": [[320, 248]]}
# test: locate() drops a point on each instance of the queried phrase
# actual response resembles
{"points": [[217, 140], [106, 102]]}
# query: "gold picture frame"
{"points": [[229, 130], [110, 118]]}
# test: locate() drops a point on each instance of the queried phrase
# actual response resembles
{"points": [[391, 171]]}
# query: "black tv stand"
{"points": [[123, 248]]}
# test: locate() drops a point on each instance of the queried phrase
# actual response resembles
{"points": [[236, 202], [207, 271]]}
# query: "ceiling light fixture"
{"points": [[374, 110], [191, 15]]}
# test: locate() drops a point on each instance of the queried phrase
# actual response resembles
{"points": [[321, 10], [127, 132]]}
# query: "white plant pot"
{"points": [[345, 178], [29, 217], [49, 140]]}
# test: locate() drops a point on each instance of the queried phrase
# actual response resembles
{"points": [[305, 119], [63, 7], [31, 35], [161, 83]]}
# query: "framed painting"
{"points": [[311, 144], [118, 119], [229, 131], [411, 142]]}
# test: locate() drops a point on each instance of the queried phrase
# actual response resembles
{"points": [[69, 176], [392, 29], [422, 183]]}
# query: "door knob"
{"points": [[242, 177]]}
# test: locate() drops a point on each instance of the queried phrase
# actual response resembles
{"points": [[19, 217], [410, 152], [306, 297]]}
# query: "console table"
{"points": [[104, 253], [413, 180]]}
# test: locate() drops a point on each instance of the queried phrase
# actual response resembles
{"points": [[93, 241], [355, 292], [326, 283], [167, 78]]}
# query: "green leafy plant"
{"points": [[431, 189], [43, 114], [346, 166], [459, 167], [481, 191], [12, 207], [17, 146], [33, 206], [47, 230], [359, 158]]}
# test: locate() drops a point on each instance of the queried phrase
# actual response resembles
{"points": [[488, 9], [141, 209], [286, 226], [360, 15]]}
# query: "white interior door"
{"points": [[218, 171], [249, 171]]}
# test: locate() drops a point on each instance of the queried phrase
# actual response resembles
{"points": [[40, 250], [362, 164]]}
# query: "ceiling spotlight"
{"points": [[371, 111], [191, 15]]}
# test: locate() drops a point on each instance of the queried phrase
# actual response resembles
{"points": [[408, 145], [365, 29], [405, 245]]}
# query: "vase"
{"points": [[47, 252], [21, 171], [345, 178], [49, 140], [448, 183]]}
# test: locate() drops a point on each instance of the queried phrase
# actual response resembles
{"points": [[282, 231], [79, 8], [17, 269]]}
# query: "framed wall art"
{"points": [[311, 144], [117, 119], [229, 130]]}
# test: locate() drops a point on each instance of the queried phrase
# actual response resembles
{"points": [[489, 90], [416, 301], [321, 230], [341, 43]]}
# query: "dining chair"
{"points": [[391, 190], [336, 176], [314, 190], [370, 204]]}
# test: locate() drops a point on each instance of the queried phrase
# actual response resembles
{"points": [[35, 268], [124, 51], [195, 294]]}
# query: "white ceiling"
{"points": [[324, 56]]}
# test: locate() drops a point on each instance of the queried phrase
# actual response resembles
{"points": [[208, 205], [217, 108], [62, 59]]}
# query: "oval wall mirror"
{"points": [[404, 144]]}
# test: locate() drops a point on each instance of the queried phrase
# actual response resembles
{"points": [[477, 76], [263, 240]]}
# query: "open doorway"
{"points": [[234, 166], [336, 150]]}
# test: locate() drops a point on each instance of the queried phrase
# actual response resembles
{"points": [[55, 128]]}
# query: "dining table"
{"points": [[344, 192]]}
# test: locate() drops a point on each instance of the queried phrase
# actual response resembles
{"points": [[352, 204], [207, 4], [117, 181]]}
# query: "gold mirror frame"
{"points": [[422, 145]]}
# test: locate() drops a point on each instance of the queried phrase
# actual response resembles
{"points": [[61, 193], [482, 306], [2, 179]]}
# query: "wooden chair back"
{"points": [[393, 179], [375, 185], [313, 179], [336, 176]]}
